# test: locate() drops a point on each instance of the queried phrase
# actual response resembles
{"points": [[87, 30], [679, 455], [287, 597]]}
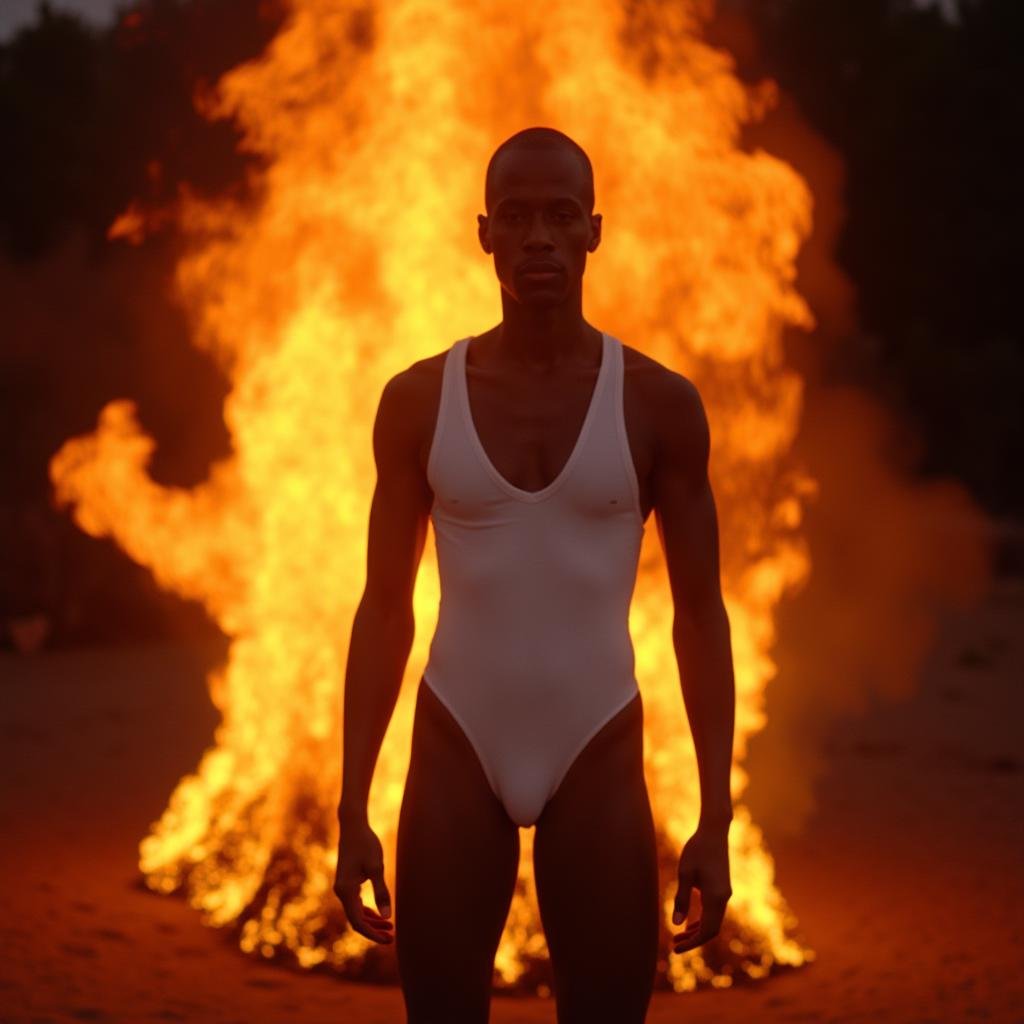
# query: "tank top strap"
{"points": [[447, 424], [612, 391], [603, 428]]}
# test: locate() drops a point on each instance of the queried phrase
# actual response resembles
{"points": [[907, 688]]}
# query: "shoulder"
{"points": [[670, 412], [673, 401], [417, 378], [411, 390], [408, 403]]}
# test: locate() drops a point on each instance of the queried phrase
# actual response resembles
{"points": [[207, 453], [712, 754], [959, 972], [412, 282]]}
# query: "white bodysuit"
{"points": [[532, 653]]}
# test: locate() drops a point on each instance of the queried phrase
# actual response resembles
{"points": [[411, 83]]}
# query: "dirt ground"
{"points": [[907, 881]]}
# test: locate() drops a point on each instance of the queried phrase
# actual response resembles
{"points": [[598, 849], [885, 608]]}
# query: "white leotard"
{"points": [[532, 653]]}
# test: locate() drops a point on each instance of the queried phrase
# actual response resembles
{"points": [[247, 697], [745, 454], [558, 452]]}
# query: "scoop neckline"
{"points": [[510, 488]]}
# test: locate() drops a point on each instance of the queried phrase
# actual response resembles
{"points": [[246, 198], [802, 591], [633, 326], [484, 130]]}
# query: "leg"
{"points": [[457, 860], [596, 872]]}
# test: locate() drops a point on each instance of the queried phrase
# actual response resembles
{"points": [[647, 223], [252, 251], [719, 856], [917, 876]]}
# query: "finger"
{"points": [[688, 939], [703, 935], [348, 893], [373, 931], [690, 929], [356, 912], [706, 928], [376, 919], [380, 895], [686, 936], [682, 903]]}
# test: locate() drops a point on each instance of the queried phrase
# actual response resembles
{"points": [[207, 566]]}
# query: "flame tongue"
{"points": [[377, 122]]}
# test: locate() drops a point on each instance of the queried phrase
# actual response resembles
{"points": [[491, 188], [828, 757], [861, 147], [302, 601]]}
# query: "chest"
{"points": [[530, 428]]}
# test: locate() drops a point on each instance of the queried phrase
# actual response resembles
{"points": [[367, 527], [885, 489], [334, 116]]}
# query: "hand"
{"points": [[703, 865], [360, 856]]}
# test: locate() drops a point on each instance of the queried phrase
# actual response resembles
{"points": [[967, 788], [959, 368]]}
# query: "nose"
{"points": [[538, 235]]}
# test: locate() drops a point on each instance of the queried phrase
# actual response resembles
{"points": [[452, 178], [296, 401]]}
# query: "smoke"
{"points": [[892, 554], [81, 329]]}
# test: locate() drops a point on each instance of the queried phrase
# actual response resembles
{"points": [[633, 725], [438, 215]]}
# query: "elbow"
{"points": [[701, 616], [388, 610]]}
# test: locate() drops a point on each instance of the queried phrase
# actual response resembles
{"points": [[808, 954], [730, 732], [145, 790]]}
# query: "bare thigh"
{"points": [[457, 861], [596, 872]]}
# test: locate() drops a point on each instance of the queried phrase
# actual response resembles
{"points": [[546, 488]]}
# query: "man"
{"points": [[538, 449]]}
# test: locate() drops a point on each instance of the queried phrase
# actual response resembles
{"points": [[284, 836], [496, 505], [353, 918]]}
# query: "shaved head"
{"points": [[541, 138]]}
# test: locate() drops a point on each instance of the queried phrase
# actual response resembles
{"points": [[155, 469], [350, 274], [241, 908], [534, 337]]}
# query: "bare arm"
{"points": [[384, 624], [688, 528]]}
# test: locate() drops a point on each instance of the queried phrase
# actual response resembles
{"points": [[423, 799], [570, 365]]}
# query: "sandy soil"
{"points": [[906, 881]]}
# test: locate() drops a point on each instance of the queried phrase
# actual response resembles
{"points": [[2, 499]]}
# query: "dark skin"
{"points": [[530, 379]]}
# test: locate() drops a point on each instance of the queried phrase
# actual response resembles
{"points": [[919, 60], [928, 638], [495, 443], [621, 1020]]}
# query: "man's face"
{"points": [[539, 215]]}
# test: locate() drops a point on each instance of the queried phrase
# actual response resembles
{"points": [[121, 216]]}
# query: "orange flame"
{"points": [[376, 122]]}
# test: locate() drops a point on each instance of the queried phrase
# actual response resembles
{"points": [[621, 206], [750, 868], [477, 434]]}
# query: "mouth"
{"points": [[540, 271]]}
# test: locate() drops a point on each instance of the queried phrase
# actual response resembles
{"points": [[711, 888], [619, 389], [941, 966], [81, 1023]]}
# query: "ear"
{"points": [[595, 228], [481, 231]]}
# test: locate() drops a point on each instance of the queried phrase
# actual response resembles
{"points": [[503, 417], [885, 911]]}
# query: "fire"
{"points": [[359, 256]]}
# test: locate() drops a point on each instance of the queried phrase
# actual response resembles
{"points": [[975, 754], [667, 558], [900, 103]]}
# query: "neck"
{"points": [[545, 338]]}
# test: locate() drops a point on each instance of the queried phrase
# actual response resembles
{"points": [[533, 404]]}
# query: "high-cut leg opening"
{"points": [[460, 723], [584, 742]]}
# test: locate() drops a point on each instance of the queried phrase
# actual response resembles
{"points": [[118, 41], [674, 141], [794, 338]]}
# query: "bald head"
{"points": [[541, 138]]}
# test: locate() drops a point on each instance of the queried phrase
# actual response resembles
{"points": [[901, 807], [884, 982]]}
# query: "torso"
{"points": [[528, 427]]}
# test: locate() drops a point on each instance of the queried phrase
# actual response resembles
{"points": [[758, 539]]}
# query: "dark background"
{"points": [[921, 109]]}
